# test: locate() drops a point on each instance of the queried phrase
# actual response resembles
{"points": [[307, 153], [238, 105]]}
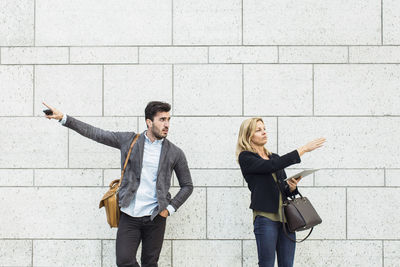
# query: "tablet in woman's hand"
{"points": [[302, 173]]}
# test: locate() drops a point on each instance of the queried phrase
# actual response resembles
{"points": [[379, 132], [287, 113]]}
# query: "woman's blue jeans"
{"points": [[270, 238]]}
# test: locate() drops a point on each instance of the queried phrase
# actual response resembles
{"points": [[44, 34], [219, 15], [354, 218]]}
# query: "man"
{"points": [[143, 196]]}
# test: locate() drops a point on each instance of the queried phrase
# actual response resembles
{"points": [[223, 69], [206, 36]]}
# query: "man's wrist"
{"points": [[63, 120], [170, 210]]}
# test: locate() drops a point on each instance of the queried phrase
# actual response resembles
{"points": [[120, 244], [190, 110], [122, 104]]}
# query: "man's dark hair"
{"points": [[155, 106]]}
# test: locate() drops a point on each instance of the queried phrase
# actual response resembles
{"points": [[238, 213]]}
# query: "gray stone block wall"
{"points": [[309, 68]]}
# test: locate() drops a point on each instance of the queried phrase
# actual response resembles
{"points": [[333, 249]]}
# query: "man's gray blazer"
{"points": [[171, 158]]}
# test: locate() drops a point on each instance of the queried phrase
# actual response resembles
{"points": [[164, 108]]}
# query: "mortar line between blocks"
{"points": [[33, 175], [172, 89], [33, 89], [348, 54], [313, 96], [68, 148], [172, 22], [206, 64], [374, 240], [242, 24], [32, 252], [172, 252], [101, 253], [202, 45], [208, 54], [242, 250], [277, 49], [381, 22], [384, 176], [346, 214], [69, 55], [102, 90], [206, 213], [277, 135], [242, 89], [138, 55], [34, 23]]}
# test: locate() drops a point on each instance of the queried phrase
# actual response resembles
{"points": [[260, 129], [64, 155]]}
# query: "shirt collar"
{"points": [[157, 141]]}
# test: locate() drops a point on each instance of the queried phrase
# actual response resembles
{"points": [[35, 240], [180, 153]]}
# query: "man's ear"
{"points": [[149, 123]]}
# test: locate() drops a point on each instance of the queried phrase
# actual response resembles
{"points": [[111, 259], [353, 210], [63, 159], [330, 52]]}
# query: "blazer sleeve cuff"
{"points": [[171, 210], [63, 120]]}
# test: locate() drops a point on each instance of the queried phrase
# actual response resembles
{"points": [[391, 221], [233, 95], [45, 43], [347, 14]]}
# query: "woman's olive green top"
{"points": [[277, 217]]}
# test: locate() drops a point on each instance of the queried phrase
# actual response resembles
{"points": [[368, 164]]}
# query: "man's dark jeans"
{"points": [[132, 230], [270, 238]]}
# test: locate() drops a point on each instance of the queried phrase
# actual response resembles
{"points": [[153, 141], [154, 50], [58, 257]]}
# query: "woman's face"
{"points": [[260, 136]]}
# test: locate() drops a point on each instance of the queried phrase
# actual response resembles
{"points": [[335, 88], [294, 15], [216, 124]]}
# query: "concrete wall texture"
{"points": [[309, 68]]}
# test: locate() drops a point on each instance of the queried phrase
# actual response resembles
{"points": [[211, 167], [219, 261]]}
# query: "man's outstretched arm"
{"points": [[105, 137]]}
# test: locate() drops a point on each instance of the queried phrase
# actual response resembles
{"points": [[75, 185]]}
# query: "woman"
{"points": [[264, 172]]}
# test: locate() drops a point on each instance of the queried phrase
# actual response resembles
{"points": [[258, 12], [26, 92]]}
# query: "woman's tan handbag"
{"points": [[110, 199]]}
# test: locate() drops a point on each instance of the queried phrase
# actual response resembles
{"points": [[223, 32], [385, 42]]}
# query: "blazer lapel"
{"points": [[163, 156], [141, 151]]}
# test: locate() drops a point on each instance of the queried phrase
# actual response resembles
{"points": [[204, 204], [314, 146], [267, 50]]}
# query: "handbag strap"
{"points": [[283, 217], [285, 231], [127, 158]]}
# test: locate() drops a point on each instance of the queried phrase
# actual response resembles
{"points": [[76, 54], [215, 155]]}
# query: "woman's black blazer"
{"points": [[258, 174]]}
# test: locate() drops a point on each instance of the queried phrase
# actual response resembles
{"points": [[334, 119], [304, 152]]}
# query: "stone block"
{"points": [[56, 213], [67, 253], [74, 90], [207, 22], [128, 89], [17, 23], [208, 90], [100, 22], [206, 253], [173, 55], [371, 213], [16, 177], [15, 253], [216, 177], [189, 221], [391, 253], [68, 177], [391, 22], [16, 86], [272, 90], [243, 54], [374, 54], [313, 54], [32, 143], [357, 89], [312, 23], [393, 177], [107, 55], [372, 177], [352, 142], [228, 213], [34, 55]]}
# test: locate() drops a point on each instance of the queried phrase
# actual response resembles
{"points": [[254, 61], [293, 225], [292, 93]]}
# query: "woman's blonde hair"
{"points": [[246, 132]]}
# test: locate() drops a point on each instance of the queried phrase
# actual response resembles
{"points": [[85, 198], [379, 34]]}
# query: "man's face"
{"points": [[160, 124]]}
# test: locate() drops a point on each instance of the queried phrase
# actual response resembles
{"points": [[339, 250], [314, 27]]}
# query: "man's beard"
{"points": [[157, 134]]}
